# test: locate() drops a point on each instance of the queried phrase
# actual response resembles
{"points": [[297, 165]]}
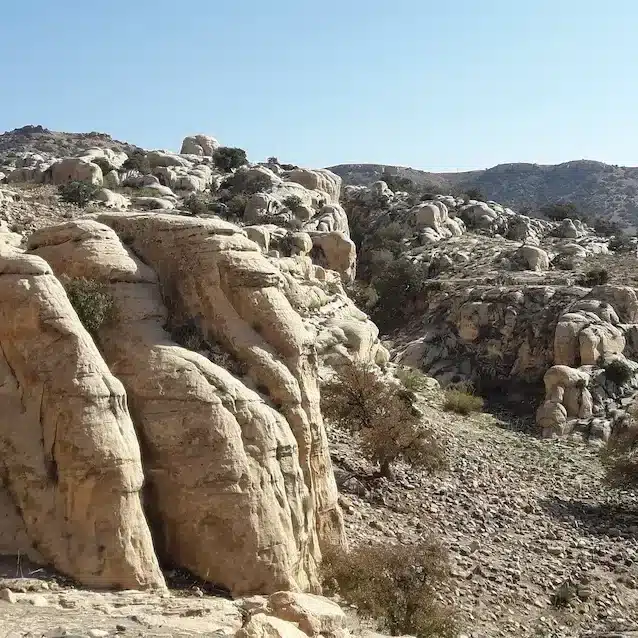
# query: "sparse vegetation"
{"points": [[200, 203], [383, 415], [292, 202], [77, 193], [396, 585], [401, 287], [618, 371], [137, 161], [244, 183], [92, 301], [562, 210], [593, 277], [227, 158], [475, 193], [413, 380], [620, 458], [461, 399]]}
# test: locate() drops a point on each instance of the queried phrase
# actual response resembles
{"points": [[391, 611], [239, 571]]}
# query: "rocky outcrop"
{"points": [[203, 145], [230, 428], [74, 170], [70, 460]]}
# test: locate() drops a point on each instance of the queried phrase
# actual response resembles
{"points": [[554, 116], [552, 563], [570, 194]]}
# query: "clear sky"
{"points": [[434, 84]]}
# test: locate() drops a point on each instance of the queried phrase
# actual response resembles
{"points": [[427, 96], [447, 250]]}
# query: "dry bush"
{"points": [[92, 301], [394, 584], [593, 277], [620, 458], [462, 400], [382, 414], [618, 371]]}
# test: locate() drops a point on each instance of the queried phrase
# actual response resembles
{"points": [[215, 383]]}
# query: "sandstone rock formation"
{"points": [[70, 461], [239, 485]]}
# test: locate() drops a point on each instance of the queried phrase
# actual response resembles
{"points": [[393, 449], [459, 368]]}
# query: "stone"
{"points": [[203, 145], [313, 614], [74, 170], [533, 257], [8, 596], [318, 179], [263, 626], [74, 471], [337, 252]]}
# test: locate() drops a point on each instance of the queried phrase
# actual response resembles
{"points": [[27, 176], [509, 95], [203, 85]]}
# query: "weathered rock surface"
{"points": [[70, 461]]}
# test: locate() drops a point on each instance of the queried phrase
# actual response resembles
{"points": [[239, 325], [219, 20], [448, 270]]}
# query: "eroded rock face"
{"points": [[239, 481], [70, 460]]}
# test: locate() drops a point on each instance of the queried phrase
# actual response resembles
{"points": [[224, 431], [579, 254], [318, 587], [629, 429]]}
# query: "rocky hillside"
{"points": [[169, 323], [595, 188]]}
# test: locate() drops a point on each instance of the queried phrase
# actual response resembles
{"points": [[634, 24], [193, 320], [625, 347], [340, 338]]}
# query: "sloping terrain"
{"points": [[599, 189]]}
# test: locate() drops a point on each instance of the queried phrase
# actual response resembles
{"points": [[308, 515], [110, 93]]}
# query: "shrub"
{"points": [[593, 277], [292, 202], [394, 584], [383, 415], [200, 203], [226, 158], [474, 193], [413, 380], [246, 184], [622, 244], [237, 206], [400, 287], [618, 371], [561, 210], [461, 400], [137, 161], [620, 458], [78, 193], [92, 301]]}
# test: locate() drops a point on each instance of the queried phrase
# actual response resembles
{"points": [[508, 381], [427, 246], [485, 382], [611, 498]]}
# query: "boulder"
{"points": [[533, 258], [337, 252], [318, 179], [314, 615], [203, 145], [263, 626], [74, 170]]}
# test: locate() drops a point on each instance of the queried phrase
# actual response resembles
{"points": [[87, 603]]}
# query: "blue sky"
{"points": [[439, 85]]}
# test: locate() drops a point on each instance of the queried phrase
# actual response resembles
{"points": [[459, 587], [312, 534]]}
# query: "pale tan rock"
{"points": [[203, 145], [313, 614], [74, 470], [533, 257], [263, 626], [318, 179], [74, 169], [213, 463], [337, 252]]}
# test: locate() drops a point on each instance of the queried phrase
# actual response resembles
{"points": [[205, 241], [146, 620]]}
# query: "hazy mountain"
{"points": [[596, 188]]}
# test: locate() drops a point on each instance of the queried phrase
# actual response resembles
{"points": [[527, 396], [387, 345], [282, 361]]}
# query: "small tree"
{"points": [[137, 161], [78, 193], [384, 417], [226, 158], [394, 584]]}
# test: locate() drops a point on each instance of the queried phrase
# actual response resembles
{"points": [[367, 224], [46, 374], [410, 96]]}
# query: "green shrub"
{"points": [[593, 277], [227, 158], [244, 183], [618, 371], [78, 193], [237, 206], [462, 401], [92, 301], [413, 380], [383, 415], [394, 584], [400, 288], [562, 210], [200, 203], [475, 193], [292, 202], [137, 161]]}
